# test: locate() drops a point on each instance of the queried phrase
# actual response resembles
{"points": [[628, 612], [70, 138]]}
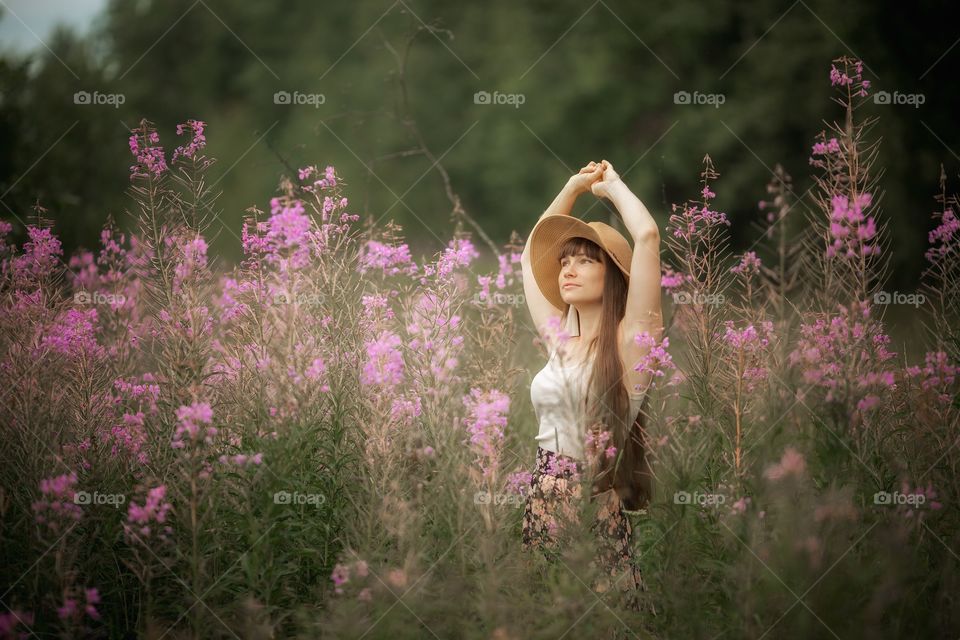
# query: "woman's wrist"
{"points": [[618, 190], [574, 186]]}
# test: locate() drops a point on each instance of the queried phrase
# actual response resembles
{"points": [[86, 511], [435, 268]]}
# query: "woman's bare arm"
{"points": [[643, 309], [541, 309]]}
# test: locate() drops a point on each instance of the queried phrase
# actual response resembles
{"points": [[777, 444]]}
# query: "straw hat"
{"points": [[549, 235]]}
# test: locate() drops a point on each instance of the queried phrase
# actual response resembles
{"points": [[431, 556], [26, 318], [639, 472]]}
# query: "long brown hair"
{"points": [[608, 404]]}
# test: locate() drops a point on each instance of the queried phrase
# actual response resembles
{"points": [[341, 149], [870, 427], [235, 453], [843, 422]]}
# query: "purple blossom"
{"points": [[10, 621], [144, 145], [153, 513], [656, 360], [823, 148], [73, 334], [384, 361], [850, 230], [41, 253], [403, 411], [749, 265], [944, 234], [937, 375], [433, 330], [486, 418], [242, 459], [340, 576], [670, 279], [792, 463], [192, 260], [198, 142], [57, 506], [460, 252], [695, 221], [849, 346], [519, 482], [391, 260], [849, 77], [189, 419], [71, 610], [289, 236]]}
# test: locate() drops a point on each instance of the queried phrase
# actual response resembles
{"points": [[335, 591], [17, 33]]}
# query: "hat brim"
{"points": [[545, 241]]}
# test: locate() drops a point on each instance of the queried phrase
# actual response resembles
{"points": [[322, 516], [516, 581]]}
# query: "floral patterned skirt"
{"points": [[552, 505]]}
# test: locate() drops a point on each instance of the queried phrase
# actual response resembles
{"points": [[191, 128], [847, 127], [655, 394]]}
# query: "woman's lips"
{"points": [[568, 285]]}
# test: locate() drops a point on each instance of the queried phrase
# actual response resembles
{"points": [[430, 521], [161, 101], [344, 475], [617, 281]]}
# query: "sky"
{"points": [[25, 24]]}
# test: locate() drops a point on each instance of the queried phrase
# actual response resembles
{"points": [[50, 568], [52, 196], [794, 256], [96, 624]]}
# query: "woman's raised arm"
{"points": [[541, 309], [643, 312]]}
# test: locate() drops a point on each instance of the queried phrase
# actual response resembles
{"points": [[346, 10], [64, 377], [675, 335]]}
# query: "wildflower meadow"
{"points": [[333, 437]]}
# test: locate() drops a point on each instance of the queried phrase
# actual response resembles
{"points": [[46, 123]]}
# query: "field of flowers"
{"points": [[333, 438]]}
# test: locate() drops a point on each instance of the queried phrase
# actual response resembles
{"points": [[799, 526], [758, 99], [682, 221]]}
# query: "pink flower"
{"points": [[937, 375], [656, 360], [144, 145], [57, 505], [10, 621], [73, 334], [792, 463], [518, 482], [191, 261], [851, 231], [189, 419], [70, 609], [459, 253], [485, 421], [153, 512], [834, 350], [671, 279], [943, 237], [749, 265], [740, 506], [340, 576], [390, 260], [822, 148], [41, 254], [198, 142], [384, 361], [403, 411], [434, 329]]}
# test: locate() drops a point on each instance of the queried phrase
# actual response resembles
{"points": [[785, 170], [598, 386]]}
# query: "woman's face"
{"points": [[585, 276]]}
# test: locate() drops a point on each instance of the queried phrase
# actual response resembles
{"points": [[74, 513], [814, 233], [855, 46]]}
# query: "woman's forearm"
{"points": [[636, 218], [562, 205]]}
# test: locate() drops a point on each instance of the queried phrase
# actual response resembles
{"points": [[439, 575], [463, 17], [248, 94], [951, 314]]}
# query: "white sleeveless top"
{"points": [[557, 393]]}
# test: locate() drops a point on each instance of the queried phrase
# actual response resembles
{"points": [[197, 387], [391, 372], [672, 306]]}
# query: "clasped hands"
{"points": [[595, 177]]}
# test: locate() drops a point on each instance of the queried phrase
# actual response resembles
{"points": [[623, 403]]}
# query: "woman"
{"points": [[588, 398]]}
